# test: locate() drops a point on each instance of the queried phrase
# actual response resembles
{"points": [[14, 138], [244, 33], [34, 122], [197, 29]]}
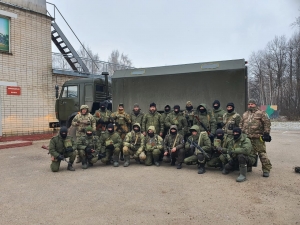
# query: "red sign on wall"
{"points": [[11, 90]]}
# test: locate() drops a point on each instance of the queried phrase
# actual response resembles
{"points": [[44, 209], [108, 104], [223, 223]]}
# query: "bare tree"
{"points": [[118, 61]]}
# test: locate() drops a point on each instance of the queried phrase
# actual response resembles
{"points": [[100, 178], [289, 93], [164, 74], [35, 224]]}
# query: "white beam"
{"points": [[8, 14], [8, 83]]}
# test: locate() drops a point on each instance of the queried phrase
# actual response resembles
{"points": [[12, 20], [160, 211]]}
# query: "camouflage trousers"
{"points": [[195, 158], [259, 148], [111, 155], [91, 159], [235, 160], [178, 155], [56, 163], [133, 152], [150, 156], [214, 161]]}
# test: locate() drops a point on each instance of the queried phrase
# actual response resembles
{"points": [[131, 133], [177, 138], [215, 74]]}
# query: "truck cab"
{"points": [[83, 91]]}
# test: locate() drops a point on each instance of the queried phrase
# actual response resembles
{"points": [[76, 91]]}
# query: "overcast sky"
{"points": [[169, 32]]}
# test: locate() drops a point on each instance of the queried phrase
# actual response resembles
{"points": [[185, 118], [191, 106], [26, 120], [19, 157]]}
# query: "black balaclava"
{"points": [[176, 109], [63, 132], [236, 130], [216, 102], [220, 134], [167, 108], [202, 110], [102, 106], [232, 105], [151, 134], [189, 108], [136, 130], [173, 132], [110, 126]]}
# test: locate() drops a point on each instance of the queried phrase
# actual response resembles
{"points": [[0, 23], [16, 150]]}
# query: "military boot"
{"points": [[242, 176], [70, 167], [179, 165], [156, 160], [249, 169], [84, 164], [266, 174], [173, 162], [90, 164], [127, 160], [201, 169], [226, 171]]}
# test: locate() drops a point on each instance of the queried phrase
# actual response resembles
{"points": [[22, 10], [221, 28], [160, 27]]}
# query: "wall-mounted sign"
{"points": [[4, 34], [12, 90]]}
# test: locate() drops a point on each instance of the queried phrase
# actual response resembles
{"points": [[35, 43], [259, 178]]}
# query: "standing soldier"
{"points": [[89, 147], [153, 118], [231, 119], [188, 113], [177, 118], [110, 145], [256, 124], [164, 116], [240, 149], [136, 115], [122, 123], [81, 121], [174, 147], [218, 113], [62, 146], [196, 156], [205, 120], [134, 145], [102, 117], [153, 146]]}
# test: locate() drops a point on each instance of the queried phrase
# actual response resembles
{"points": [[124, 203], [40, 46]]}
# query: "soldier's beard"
{"points": [[251, 109], [121, 110]]}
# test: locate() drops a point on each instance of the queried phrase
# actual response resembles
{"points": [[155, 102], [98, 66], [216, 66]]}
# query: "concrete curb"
{"points": [[14, 144]]}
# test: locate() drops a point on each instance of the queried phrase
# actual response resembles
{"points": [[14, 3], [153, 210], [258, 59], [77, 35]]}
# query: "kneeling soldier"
{"points": [[110, 145], [133, 144], [89, 148], [174, 147], [61, 147], [241, 152], [153, 145], [194, 142]]}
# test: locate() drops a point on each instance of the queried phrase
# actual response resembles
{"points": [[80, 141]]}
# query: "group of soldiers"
{"points": [[203, 137]]}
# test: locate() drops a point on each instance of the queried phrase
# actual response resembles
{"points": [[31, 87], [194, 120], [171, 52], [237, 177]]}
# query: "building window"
{"points": [[4, 34]]}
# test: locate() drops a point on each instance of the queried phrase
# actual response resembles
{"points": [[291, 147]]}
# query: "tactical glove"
{"points": [[69, 149], [266, 137], [88, 150], [60, 157], [101, 155]]}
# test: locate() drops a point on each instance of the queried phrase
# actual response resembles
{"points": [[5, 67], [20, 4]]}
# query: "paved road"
{"points": [[32, 194]]}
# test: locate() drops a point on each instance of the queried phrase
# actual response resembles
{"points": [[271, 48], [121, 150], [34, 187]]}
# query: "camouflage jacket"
{"points": [[136, 118], [134, 141], [58, 145], [254, 124], [221, 143], [231, 120], [207, 119], [202, 140], [172, 141], [241, 146], [92, 142], [122, 121], [83, 121], [189, 116], [155, 142], [153, 119], [218, 114], [179, 120], [108, 139], [103, 117]]}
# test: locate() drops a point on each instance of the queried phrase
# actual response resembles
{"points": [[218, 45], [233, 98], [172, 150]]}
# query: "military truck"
{"points": [[83, 91], [175, 85]]}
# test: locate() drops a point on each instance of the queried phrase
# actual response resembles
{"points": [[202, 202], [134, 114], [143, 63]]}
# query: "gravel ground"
{"points": [[32, 194]]}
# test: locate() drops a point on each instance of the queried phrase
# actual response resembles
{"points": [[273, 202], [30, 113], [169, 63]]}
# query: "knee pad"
{"points": [[125, 149], [142, 156]]}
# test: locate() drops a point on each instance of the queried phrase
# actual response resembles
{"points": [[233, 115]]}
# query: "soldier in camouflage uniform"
{"points": [[153, 118], [110, 145], [231, 119], [220, 142], [256, 124], [62, 146], [188, 113], [89, 148], [136, 115], [81, 121], [202, 139], [102, 118], [218, 113], [177, 118], [164, 116], [134, 145], [153, 145], [240, 149], [174, 147], [204, 118]]}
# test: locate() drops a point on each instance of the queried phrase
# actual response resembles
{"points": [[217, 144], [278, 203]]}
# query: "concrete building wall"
{"points": [[29, 64], [34, 5]]}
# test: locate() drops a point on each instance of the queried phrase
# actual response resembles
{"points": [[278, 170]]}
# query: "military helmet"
{"points": [[89, 128], [84, 107]]}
